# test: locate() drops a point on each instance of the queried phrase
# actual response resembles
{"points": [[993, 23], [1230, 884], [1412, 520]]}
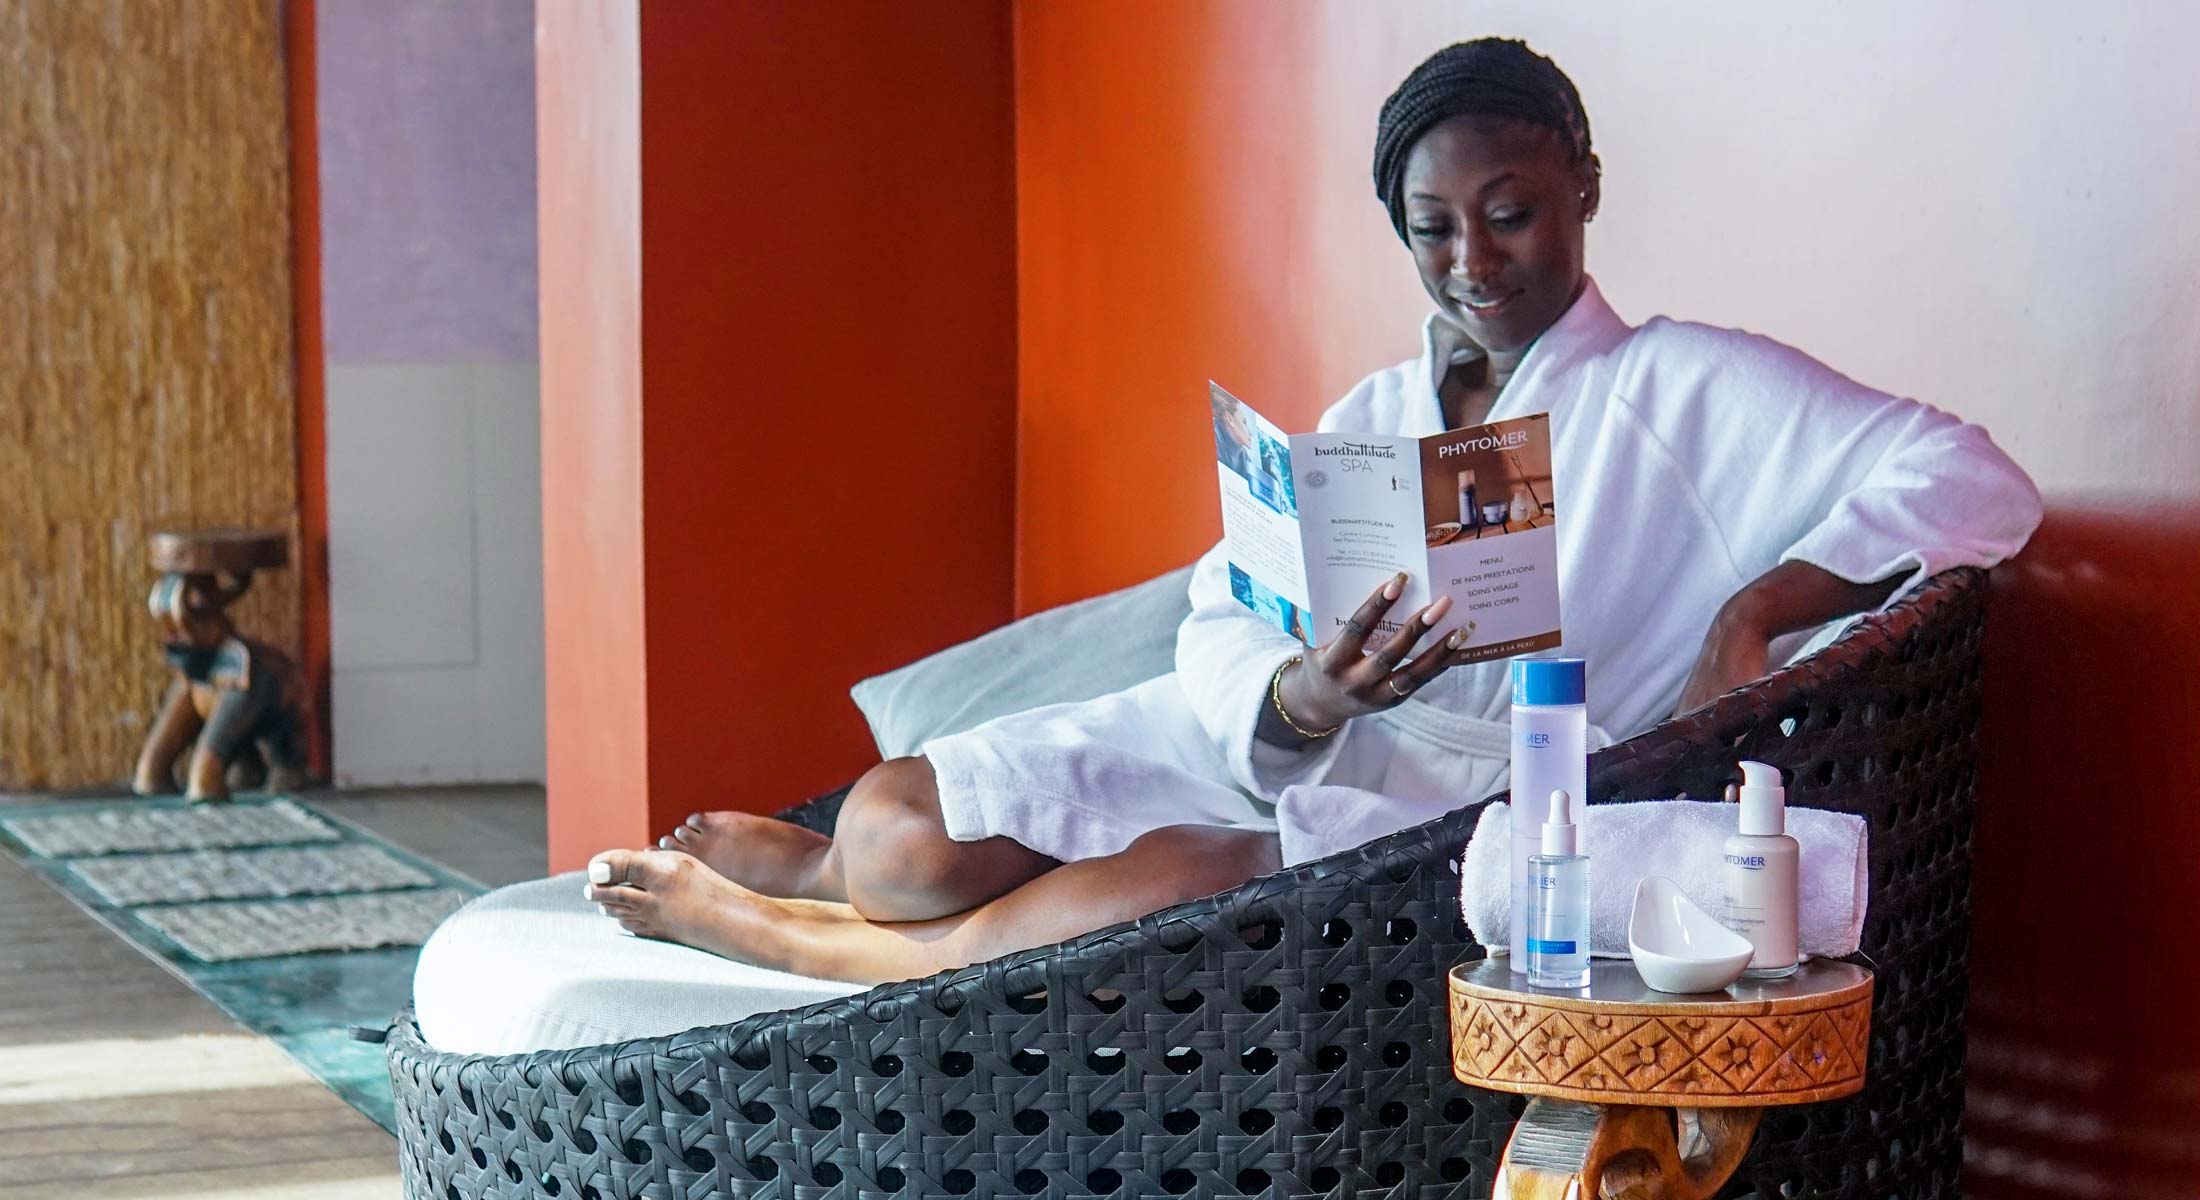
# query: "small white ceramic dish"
{"points": [[1679, 947]]}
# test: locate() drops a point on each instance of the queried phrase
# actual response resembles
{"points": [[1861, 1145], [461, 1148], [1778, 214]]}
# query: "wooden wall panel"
{"points": [[145, 349]]}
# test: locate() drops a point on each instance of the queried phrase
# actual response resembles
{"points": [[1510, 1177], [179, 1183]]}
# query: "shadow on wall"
{"points": [[2084, 1076]]}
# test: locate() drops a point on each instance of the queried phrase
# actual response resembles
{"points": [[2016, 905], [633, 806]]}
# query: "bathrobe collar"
{"points": [[1588, 327]]}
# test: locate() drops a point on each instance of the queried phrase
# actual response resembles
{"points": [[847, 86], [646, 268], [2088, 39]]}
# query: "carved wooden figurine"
{"points": [[231, 695]]}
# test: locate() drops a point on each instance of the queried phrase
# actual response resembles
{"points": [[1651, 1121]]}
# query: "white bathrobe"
{"points": [[1688, 460]]}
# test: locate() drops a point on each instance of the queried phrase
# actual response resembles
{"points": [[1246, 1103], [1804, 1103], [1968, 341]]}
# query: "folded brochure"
{"points": [[1315, 522]]}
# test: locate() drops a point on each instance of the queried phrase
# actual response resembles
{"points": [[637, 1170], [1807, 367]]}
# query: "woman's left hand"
{"points": [[1735, 652], [1793, 596]]}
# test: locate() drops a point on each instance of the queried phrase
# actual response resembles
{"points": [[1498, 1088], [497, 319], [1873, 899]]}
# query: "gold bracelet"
{"points": [[1275, 697]]}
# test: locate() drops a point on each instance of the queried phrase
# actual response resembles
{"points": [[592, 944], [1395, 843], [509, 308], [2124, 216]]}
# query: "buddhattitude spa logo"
{"points": [[1356, 450], [1315, 479]]}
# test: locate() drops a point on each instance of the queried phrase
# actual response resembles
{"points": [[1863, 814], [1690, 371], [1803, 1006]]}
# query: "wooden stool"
{"points": [[1647, 1094], [228, 691]]}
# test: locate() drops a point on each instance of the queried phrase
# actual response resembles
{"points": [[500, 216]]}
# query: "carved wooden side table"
{"points": [[1647, 1094], [228, 692]]}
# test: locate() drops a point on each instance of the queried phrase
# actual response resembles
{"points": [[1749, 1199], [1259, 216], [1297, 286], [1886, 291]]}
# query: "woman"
{"points": [[1721, 491]]}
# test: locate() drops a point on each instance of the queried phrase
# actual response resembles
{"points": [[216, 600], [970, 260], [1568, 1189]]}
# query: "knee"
{"points": [[890, 826], [1200, 860]]}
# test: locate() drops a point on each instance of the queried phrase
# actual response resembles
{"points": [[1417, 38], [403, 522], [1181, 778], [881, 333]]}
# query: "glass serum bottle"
{"points": [[1558, 904]]}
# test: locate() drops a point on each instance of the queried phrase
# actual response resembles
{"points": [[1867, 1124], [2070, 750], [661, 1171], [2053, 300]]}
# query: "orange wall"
{"points": [[1194, 200], [1192, 203], [1148, 212], [778, 422], [311, 372], [588, 130], [829, 407]]}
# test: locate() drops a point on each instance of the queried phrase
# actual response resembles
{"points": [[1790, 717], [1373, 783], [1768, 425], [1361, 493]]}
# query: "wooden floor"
{"points": [[117, 1080]]}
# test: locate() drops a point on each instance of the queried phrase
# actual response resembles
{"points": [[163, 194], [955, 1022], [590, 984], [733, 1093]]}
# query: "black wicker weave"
{"points": [[1286, 1038]]}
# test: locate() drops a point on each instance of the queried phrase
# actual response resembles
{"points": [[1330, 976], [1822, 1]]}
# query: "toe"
{"points": [[666, 842], [614, 866], [657, 870], [681, 836]]}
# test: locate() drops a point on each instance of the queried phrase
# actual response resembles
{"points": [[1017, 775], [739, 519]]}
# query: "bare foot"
{"points": [[762, 854], [674, 897]]}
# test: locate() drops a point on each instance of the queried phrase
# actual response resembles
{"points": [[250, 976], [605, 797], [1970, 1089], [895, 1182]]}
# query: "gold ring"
{"points": [[1391, 682]]}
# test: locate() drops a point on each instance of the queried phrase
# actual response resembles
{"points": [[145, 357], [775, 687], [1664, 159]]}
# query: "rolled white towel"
{"points": [[1682, 840]]}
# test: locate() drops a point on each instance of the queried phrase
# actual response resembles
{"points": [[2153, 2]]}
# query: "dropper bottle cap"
{"points": [[1558, 832], [1764, 801]]}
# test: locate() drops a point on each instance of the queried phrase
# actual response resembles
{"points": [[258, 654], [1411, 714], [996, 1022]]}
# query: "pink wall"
{"points": [[427, 174]]}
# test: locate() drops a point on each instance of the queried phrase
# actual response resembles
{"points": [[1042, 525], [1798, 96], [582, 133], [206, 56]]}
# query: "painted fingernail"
{"points": [[588, 891], [606, 911], [1457, 639], [599, 872], [1397, 585], [1435, 612]]}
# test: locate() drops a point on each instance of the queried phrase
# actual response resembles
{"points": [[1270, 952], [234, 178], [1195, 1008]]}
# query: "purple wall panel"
{"points": [[427, 118]]}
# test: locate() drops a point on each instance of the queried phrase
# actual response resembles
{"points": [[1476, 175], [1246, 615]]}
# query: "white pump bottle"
{"points": [[1761, 875]]}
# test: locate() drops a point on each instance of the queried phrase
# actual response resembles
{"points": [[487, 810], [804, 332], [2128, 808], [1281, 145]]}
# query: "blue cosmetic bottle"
{"points": [[1558, 904]]}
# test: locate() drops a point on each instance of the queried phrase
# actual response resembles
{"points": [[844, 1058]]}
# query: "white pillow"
{"points": [[1074, 652]]}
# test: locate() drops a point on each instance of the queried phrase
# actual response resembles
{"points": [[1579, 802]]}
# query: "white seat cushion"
{"points": [[534, 966]]}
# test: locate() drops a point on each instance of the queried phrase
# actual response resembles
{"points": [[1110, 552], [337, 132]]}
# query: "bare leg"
{"points": [[670, 895], [764, 854], [892, 859]]}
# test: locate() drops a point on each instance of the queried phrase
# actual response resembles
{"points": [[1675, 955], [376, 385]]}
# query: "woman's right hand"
{"points": [[1340, 681]]}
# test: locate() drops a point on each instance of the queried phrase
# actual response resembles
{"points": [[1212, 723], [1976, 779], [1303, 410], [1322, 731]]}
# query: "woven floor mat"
{"points": [[246, 874], [198, 827], [201, 889], [229, 930]]}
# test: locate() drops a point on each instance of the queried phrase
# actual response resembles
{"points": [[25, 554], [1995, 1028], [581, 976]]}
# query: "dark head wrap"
{"points": [[1489, 77]]}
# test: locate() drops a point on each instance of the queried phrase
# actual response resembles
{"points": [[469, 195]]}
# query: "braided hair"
{"points": [[1488, 77]]}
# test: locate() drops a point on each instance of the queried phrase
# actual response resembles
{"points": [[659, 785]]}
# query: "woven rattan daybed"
{"points": [[1286, 1038]]}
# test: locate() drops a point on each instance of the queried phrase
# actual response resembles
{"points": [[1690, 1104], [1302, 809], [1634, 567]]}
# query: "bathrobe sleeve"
{"points": [[1796, 462], [1225, 657]]}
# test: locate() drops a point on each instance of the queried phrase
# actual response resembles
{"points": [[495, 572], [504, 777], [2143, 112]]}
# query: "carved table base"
{"points": [[1646, 1095], [1564, 1150]]}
